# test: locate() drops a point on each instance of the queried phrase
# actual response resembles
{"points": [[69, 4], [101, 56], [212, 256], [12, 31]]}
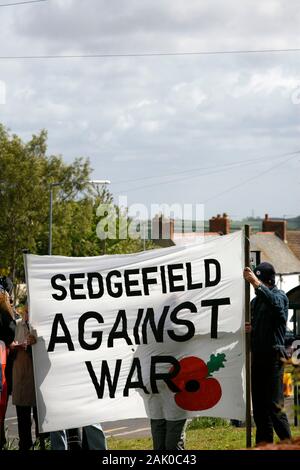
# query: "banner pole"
{"points": [[247, 342]]}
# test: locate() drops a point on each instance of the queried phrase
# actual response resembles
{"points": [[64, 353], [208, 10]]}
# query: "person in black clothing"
{"points": [[269, 313], [7, 322]]}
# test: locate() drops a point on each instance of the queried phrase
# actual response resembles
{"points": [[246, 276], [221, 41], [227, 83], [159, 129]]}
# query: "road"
{"points": [[129, 428]]}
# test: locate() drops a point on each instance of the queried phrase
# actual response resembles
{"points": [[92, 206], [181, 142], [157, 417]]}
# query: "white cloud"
{"points": [[156, 115], [268, 82]]}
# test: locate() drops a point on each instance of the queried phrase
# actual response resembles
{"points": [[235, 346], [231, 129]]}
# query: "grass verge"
{"points": [[213, 438]]}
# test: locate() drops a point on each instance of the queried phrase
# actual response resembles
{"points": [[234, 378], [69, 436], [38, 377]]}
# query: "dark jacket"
{"points": [[269, 311], [7, 328]]}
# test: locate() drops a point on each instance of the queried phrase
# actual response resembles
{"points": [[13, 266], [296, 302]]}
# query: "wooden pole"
{"points": [[247, 342]]}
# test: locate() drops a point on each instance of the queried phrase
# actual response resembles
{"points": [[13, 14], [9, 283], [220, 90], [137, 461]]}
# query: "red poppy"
{"points": [[199, 391]]}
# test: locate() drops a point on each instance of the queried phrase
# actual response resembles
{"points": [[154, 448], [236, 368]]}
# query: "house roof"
{"points": [[275, 251], [293, 238], [272, 248]]}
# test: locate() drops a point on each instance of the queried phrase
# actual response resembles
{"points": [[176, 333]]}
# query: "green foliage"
{"points": [[12, 444], [205, 422], [215, 363]]}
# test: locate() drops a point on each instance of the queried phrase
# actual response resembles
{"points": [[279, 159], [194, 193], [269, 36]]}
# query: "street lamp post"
{"points": [[99, 182], [52, 185]]}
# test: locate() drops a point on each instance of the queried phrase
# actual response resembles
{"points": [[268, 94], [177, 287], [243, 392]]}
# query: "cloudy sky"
{"points": [[213, 129]]}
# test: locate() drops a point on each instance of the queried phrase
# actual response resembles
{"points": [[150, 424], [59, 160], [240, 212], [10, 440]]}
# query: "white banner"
{"points": [[158, 333]]}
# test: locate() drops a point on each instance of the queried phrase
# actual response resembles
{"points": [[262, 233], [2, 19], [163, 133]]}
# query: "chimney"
{"points": [[277, 226], [220, 224], [163, 230]]}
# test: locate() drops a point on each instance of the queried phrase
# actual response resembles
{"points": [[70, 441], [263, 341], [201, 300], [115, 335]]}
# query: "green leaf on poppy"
{"points": [[215, 363]]}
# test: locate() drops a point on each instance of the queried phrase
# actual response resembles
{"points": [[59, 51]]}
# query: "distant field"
{"points": [[255, 224]]}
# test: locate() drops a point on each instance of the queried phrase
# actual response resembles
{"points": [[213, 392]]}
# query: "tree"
{"points": [[26, 173], [122, 243]]}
